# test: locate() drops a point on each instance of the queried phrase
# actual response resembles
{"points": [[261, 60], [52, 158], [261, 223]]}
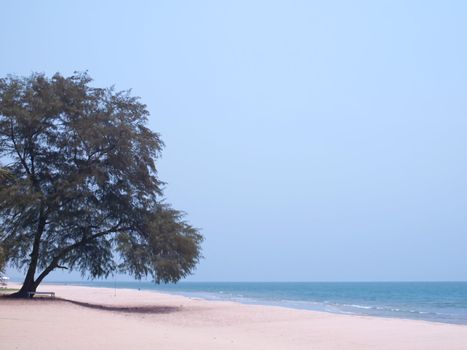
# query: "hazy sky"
{"points": [[309, 140]]}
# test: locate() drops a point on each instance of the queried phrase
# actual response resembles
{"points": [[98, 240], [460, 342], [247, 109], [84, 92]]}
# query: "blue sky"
{"points": [[309, 140]]}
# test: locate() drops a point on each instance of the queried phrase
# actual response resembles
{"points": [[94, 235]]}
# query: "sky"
{"points": [[308, 140]]}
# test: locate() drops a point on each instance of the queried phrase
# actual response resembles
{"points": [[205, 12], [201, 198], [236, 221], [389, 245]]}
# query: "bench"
{"points": [[31, 294]]}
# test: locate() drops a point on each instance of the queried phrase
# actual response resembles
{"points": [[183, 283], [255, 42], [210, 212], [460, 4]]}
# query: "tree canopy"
{"points": [[84, 193], [2, 260]]}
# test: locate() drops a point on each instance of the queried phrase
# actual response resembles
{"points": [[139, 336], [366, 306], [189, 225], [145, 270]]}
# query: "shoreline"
{"points": [[145, 319], [288, 304]]}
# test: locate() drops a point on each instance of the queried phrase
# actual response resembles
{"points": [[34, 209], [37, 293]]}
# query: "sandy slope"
{"points": [[147, 320]]}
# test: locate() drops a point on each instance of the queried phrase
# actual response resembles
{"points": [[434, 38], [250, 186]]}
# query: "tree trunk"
{"points": [[29, 285]]}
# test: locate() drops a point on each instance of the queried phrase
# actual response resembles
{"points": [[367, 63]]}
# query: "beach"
{"points": [[104, 318]]}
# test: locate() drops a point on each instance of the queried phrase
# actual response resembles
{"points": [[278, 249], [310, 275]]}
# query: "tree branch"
{"points": [[21, 159], [55, 261]]}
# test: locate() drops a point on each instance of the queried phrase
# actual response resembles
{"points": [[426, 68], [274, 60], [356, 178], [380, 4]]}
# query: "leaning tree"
{"points": [[83, 192]]}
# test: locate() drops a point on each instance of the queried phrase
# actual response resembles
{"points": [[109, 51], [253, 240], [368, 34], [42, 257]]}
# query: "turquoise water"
{"points": [[430, 301]]}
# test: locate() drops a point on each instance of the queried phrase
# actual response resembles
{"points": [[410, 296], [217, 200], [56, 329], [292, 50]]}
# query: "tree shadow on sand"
{"points": [[148, 309]]}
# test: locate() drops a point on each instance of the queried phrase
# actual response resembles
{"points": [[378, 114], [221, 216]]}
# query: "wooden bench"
{"points": [[31, 294]]}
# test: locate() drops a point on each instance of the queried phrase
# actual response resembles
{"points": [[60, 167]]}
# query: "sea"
{"points": [[430, 301]]}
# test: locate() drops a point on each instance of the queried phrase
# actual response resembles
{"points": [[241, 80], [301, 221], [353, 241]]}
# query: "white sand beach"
{"points": [[134, 319]]}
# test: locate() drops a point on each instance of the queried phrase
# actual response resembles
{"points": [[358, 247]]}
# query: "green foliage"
{"points": [[4, 173], [170, 245], [2, 260], [83, 192]]}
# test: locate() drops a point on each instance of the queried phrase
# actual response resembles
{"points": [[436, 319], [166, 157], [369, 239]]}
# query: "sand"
{"points": [[134, 319]]}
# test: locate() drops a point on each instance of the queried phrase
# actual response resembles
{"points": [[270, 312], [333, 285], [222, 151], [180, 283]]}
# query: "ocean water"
{"points": [[430, 301]]}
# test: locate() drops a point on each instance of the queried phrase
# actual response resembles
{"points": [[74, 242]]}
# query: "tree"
{"points": [[2, 260], [84, 193], [4, 174]]}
